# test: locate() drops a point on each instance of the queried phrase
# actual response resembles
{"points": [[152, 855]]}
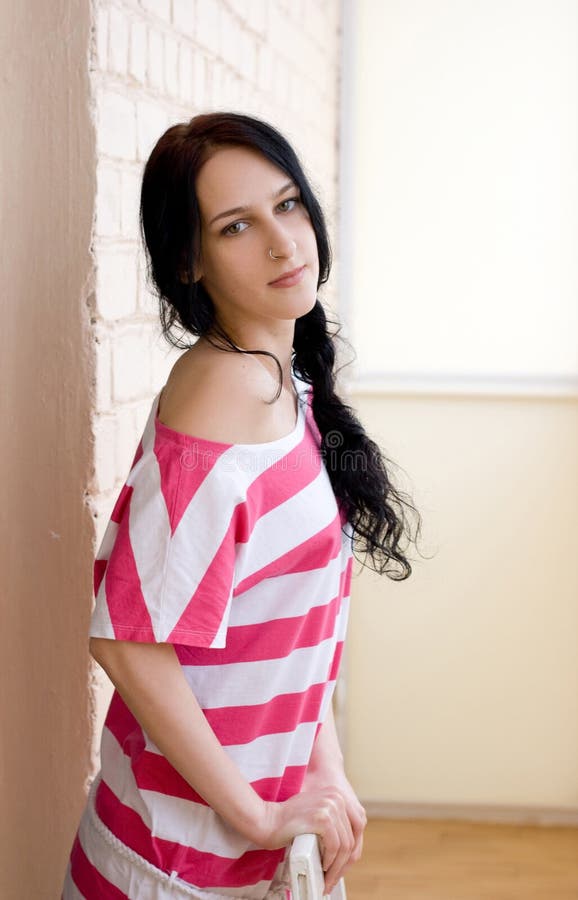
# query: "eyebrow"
{"points": [[244, 209]]}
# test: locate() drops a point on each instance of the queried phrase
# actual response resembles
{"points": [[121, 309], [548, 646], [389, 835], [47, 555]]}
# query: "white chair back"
{"points": [[307, 873]]}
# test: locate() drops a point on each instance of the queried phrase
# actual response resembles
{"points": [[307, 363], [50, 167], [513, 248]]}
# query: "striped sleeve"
{"points": [[165, 568]]}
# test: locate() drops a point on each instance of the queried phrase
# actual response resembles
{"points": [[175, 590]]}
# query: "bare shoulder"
{"points": [[222, 396]]}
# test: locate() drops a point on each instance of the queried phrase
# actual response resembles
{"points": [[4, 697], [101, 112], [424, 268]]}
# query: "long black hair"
{"points": [[170, 224]]}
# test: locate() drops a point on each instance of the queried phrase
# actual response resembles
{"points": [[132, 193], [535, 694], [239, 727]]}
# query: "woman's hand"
{"points": [[315, 780], [320, 811]]}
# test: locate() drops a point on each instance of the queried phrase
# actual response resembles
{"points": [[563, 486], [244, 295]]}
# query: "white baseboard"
{"points": [[501, 815]]}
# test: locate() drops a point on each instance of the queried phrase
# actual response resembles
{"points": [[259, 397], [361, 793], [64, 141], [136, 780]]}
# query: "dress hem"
{"points": [[173, 883]]}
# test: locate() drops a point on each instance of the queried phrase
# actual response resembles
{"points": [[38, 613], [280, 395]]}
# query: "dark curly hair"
{"points": [[170, 223]]}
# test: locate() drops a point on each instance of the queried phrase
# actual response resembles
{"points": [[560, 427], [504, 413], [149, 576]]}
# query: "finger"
{"points": [[346, 845], [333, 876], [355, 855], [329, 837], [357, 813], [358, 825], [334, 832], [329, 842], [357, 819]]}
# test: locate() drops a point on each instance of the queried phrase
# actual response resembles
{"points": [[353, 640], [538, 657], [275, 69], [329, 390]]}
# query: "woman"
{"points": [[222, 581]]}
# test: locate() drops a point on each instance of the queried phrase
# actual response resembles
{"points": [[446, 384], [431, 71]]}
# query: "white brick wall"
{"points": [[153, 63]]}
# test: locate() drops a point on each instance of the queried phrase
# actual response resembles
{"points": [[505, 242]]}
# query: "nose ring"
{"points": [[278, 257]]}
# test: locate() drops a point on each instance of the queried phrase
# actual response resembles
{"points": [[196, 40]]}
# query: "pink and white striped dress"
{"points": [[240, 556]]}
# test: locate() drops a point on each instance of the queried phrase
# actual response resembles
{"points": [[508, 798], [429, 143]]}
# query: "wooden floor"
{"points": [[438, 860]]}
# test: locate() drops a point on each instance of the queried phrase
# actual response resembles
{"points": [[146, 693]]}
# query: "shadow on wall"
{"points": [[47, 145]]}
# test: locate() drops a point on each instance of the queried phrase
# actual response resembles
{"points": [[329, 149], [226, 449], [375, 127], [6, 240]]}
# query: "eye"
{"points": [[290, 200], [227, 231], [232, 225]]}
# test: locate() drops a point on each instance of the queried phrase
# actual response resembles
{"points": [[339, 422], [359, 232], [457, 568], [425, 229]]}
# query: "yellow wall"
{"points": [[463, 680], [459, 197]]}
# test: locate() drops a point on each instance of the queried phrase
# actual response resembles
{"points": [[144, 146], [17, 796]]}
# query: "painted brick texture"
{"points": [[156, 62], [153, 63]]}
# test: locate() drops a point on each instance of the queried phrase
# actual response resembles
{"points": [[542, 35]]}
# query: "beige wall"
{"points": [[463, 679], [462, 683], [47, 182]]}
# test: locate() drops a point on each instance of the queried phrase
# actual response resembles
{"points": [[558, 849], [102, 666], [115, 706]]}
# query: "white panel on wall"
{"points": [[462, 221]]}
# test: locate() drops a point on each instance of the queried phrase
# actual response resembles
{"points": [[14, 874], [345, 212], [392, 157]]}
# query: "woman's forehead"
{"points": [[238, 174]]}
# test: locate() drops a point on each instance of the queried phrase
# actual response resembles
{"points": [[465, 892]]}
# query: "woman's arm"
{"points": [[151, 682], [326, 766], [326, 755]]}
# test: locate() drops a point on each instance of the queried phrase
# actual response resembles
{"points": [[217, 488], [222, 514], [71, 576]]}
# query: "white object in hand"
{"points": [[306, 872]]}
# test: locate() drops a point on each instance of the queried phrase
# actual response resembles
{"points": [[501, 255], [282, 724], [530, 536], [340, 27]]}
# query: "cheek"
{"points": [[231, 260], [310, 236], [312, 250], [236, 269]]}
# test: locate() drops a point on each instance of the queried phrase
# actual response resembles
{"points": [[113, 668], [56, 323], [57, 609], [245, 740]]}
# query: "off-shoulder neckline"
{"points": [[183, 438]]}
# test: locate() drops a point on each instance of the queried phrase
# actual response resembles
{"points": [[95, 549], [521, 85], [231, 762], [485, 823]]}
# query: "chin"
{"points": [[312, 303], [305, 308]]}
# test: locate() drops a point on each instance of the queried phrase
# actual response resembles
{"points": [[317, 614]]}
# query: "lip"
{"points": [[289, 278]]}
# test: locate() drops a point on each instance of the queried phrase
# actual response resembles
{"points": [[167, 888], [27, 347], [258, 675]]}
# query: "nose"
{"points": [[280, 242]]}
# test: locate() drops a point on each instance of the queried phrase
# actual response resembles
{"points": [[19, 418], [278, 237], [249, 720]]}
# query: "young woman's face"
{"points": [[235, 266]]}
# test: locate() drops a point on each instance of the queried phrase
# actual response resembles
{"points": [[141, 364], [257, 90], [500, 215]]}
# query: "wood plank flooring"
{"points": [[442, 860]]}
